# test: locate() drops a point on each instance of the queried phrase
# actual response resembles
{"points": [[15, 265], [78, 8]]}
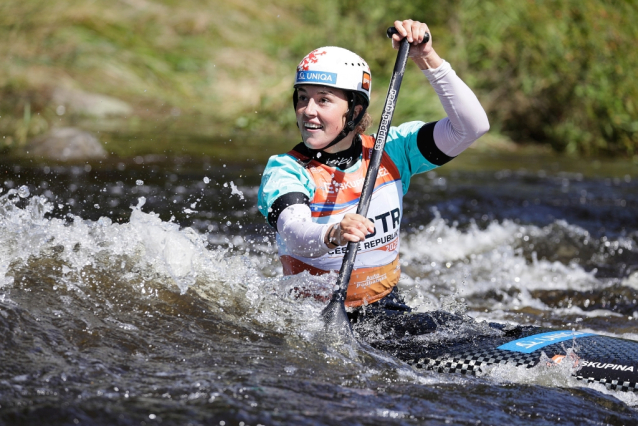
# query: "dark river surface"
{"points": [[147, 291]]}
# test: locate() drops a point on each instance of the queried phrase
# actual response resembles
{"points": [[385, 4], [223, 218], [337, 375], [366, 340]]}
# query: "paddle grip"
{"points": [[392, 31]]}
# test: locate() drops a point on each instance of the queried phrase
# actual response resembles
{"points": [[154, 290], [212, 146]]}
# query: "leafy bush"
{"points": [[561, 72], [556, 72]]}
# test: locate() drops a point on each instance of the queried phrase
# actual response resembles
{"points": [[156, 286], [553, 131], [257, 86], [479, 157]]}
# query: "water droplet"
{"points": [[139, 182], [206, 179], [23, 191], [104, 221]]}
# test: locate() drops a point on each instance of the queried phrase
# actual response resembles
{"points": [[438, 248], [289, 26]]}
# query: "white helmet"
{"points": [[335, 67]]}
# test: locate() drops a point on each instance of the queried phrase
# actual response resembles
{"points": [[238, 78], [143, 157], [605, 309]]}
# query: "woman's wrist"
{"points": [[432, 60], [330, 239]]}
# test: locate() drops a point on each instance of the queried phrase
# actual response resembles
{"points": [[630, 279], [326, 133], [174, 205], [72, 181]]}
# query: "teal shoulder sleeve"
{"points": [[282, 175], [401, 146]]}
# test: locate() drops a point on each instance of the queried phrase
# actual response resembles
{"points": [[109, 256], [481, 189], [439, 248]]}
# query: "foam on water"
{"points": [[442, 259], [147, 252], [631, 281], [546, 373], [144, 248]]}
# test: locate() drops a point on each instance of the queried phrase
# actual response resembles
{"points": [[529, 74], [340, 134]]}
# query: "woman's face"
{"points": [[321, 115]]}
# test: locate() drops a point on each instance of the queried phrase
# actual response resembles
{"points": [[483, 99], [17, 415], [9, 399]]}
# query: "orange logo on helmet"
{"points": [[365, 81]]}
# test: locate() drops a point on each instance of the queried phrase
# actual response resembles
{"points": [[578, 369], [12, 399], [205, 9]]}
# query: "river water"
{"points": [[148, 291]]}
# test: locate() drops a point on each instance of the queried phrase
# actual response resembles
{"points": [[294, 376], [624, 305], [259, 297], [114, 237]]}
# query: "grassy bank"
{"points": [[554, 73]]}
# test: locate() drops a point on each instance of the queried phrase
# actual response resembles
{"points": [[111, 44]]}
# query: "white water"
{"points": [[449, 266]]}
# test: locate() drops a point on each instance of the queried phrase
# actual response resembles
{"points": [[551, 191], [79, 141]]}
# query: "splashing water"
{"points": [[114, 321]]}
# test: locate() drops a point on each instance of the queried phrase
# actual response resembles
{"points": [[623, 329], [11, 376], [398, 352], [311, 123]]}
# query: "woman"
{"points": [[310, 194]]}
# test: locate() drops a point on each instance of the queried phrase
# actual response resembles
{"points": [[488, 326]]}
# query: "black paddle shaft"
{"points": [[341, 286]]}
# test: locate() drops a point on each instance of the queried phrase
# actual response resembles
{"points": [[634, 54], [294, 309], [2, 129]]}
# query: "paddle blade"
{"points": [[335, 316]]}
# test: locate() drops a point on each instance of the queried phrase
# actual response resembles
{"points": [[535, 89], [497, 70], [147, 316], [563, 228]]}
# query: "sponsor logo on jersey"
{"points": [[339, 161], [530, 344], [371, 279], [316, 77], [333, 187]]}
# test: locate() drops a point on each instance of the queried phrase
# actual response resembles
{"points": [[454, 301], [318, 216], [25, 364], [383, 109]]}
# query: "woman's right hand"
{"points": [[352, 228]]}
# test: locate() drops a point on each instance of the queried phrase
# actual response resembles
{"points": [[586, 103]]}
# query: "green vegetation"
{"points": [[559, 73]]}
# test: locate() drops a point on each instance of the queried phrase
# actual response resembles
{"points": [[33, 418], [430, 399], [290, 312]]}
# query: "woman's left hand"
{"points": [[423, 54]]}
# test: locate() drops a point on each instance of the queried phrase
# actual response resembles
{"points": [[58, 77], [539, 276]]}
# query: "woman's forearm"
{"points": [[301, 235], [466, 119]]}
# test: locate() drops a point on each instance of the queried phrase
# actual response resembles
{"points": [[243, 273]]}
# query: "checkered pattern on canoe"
{"points": [[624, 386], [469, 358], [604, 347]]}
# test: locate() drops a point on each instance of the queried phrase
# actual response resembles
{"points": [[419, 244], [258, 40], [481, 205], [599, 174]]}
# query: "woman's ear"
{"points": [[357, 111]]}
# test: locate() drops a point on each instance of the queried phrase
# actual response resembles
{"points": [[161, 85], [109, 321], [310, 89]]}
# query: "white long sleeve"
{"points": [[301, 235], [466, 119]]}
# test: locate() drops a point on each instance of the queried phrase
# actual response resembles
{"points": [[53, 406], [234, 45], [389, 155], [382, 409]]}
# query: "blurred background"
{"points": [[557, 75]]}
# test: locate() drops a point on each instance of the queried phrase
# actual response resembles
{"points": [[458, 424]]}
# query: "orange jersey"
{"points": [[376, 269]]}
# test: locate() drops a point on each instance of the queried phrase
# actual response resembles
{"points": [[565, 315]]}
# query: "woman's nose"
{"points": [[311, 109]]}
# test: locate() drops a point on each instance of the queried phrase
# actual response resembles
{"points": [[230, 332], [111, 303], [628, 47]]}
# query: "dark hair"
{"points": [[366, 120], [363, 125]]}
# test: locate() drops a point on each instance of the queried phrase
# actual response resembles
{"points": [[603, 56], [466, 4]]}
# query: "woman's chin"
{"points": [[312, 143]]}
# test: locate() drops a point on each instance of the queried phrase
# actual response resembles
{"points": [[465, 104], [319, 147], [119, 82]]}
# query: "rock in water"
{"points": [[91, 104], [66, 144]]}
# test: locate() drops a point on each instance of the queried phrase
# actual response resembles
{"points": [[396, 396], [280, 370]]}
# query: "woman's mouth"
{"points": [[312, 126]]}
